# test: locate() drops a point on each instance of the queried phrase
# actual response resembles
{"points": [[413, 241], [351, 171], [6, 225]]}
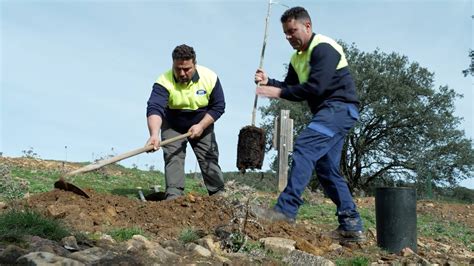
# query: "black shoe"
{"points": [[271, 215], [346, 236]]}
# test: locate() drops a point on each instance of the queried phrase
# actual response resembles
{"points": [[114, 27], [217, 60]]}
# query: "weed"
{"points": [[252, 245], [237, 241], [188, 235], [11, 188], [123, 234], [357, 261], [15, 224]]}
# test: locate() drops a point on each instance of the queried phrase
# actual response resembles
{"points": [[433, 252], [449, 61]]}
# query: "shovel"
{"points": [[62, 184]]}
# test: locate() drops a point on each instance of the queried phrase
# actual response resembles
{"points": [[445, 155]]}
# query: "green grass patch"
{"points": [[100, 180], [39, 181], [15, 224], [357, 261], [252, 246], [435, 227], [195, 185], [123, 234], [188, 235], [368, 217], [319, 213]]}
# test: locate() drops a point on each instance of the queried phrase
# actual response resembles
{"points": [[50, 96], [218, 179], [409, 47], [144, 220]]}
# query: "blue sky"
{"points": [[79, 73]]}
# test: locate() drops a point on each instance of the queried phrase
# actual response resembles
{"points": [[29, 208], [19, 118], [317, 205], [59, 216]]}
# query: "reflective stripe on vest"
{"points": [[191, 96], [300, 59]]}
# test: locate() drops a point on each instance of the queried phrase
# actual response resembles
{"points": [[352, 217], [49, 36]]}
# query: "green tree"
{"points": [[470, 70], [407, 130]]}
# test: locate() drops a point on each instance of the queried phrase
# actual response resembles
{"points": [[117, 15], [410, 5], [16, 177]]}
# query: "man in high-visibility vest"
{"points": [[187, 98], [318, 73]]}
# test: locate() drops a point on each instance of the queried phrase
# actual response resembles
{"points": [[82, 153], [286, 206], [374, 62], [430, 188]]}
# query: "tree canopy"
{"points": [[470, 70], [407, 129]]}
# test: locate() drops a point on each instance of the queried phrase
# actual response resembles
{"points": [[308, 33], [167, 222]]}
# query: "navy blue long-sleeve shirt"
{"points": [[324, 82]]}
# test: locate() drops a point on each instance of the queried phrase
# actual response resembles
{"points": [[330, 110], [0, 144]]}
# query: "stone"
{"points": [[61, 211], [334, 246], [39, 244], [304, 245], [222, 259], [278, 244], [420, 244], [443, 247], [154, 250], [91, 255], [107, 238], [190, 246], [406, 252], [46, 258], [110, 211], [300, 258], [70, 243], [202, 251], [11, 253], [209, 243], [171, 244]]}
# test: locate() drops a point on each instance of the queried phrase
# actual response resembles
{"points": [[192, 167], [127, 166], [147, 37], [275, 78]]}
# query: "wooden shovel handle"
{"points": [[122, 156]]}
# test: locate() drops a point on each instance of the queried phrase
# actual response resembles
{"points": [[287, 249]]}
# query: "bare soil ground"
{"points": [[165, 220]]}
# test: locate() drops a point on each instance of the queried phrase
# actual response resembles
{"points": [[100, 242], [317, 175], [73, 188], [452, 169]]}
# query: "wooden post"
{"points": [[284, 141]]}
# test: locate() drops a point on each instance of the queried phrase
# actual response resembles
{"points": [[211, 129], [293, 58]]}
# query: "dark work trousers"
{"points": [[207, 153], [319, 148]]}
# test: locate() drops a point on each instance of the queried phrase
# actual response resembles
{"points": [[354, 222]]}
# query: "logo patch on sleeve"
{"points": [[201, 92]]}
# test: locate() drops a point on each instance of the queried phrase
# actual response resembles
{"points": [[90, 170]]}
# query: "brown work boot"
{"points": [[346, 236], [271, 215]]}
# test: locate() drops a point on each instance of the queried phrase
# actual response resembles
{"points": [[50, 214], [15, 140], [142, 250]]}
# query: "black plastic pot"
{"points": [[395, 211]]}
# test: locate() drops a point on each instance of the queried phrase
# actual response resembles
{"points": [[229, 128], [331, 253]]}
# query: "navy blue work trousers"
{"points": [[319, 148]]}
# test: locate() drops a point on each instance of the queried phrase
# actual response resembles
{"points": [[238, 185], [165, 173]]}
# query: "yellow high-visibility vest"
{"points": [[300, 59], [191, 96]]}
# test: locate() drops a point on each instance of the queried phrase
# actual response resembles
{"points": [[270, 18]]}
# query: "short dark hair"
{"points": [[297, 13], [184, 52]]}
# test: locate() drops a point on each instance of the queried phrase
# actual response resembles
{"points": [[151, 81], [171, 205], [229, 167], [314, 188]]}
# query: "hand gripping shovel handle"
{"points": [[120, 157]]}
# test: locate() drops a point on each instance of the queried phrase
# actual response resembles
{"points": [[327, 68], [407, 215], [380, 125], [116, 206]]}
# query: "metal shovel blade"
{"points": [[63, 185]]}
